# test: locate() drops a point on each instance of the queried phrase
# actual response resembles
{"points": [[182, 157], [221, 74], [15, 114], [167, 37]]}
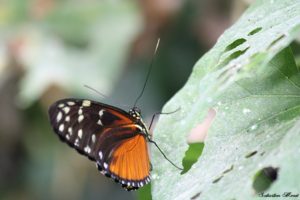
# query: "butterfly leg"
{"points": [[164, 155], [161, 113]]}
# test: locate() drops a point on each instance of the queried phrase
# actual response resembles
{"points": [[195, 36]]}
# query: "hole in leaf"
{"points": [[276, 41], [250, 154], [264, 178], [195, 196], [228, 170], [234, 55], [254, 31], [191, 156], [218, 179], [199, 133], [235, 44]]}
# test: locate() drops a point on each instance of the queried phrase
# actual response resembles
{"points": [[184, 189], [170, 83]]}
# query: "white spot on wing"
{"points": [[70, 103], [61, 105], [80, 118], [61, 128], [59, 116], [68, 137], [80, 133], [77, 142], [101, 112], [70, 130], [99, 122], [67, 119], [80, 111], [93, 138], [66, 109], [105, 165], [86, 103], [100, 155], [87, 149]]}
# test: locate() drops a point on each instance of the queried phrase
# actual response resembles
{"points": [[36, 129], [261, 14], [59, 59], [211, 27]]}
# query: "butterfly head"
{"points": [[135, 112]]}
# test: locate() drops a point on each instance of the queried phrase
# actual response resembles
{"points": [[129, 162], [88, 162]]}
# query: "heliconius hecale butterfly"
{"points": [[115, 139]]}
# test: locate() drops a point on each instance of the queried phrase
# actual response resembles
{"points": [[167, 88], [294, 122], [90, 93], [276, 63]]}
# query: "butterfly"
{"points": [[115, 139]]}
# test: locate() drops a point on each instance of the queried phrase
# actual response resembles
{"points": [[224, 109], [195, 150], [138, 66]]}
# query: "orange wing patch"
{"points": [[130, 162]]}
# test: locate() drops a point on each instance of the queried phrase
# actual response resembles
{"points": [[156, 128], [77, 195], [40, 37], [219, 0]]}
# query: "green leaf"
{"points": [[251, 79]]}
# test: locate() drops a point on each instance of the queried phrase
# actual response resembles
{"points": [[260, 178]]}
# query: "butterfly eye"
{"points": [[137, 110]]}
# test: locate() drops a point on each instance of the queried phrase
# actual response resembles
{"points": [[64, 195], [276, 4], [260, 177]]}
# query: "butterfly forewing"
{"points": [[105, 134], [81, 122]]}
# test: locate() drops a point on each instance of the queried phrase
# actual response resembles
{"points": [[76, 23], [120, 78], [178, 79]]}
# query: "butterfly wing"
{"points": [[128, 163], [80, 123], [104, 134]]}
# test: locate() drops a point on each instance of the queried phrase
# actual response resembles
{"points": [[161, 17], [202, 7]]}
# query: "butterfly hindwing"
{"points": [[105, 134], [133, 174], [123, 156]]}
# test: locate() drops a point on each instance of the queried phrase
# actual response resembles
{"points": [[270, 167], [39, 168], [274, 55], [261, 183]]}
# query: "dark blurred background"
{"points": [[49, 49]]}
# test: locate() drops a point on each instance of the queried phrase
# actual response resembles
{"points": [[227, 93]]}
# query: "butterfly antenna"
{"points": [[89, 87], [165, 155], [148, 74]]}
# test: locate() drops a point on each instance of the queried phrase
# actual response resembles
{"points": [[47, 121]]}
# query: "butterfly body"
{"points": [[115, 139]]}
